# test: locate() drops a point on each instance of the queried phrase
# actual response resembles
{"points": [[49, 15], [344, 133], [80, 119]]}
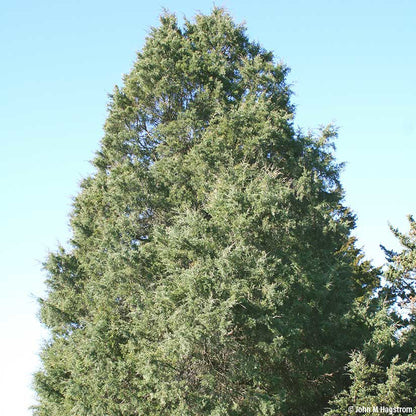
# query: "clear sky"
{"points": [[353, 63]]}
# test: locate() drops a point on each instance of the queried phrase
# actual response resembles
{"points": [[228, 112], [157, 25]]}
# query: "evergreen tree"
{"points": [[401, 275], [383, 373], [211, 269]]}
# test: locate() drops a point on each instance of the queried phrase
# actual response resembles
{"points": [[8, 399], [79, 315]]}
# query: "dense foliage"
{"points": [[383, 373], [211, 269]]}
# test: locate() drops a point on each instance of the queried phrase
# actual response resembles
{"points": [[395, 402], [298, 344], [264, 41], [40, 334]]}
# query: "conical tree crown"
{"points": [[211, 271]]}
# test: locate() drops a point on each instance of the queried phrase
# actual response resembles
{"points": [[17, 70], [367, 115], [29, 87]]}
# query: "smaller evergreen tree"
{"points": [[401, 274], [383, 373]]}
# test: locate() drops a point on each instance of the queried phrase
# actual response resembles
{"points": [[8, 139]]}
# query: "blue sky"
{"points": [[353, 63]]}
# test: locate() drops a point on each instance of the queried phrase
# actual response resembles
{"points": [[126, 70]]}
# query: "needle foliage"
{"points": [[383, 372], [211, 270]]}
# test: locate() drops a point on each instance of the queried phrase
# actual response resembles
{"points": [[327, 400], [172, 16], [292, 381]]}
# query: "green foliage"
{"points": [[211, 269], [383, 373], [401, 274]]}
